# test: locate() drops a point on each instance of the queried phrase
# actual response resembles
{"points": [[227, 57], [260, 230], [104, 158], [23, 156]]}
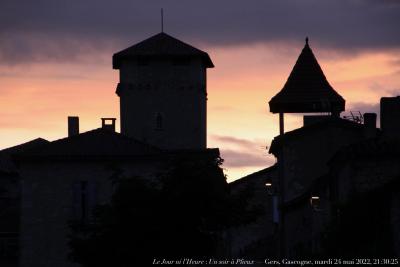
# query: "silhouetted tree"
{"points": [[181, 216]]}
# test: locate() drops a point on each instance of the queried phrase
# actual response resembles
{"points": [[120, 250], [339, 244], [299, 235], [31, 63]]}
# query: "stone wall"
{"points": [[177, 94], [257, 238]]}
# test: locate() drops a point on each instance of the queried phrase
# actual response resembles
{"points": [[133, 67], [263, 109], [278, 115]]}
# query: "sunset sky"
{"points": [[55, 61]]}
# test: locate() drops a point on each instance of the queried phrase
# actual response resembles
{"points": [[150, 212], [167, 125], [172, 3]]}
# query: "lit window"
{"points": [[315, 202], [268, 185]]}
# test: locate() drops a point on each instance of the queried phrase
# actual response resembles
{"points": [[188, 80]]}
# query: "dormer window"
{"points": [[159, 121]]}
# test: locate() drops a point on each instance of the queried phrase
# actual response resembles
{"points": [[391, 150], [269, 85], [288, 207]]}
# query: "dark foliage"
{"points": [[181, 214]]}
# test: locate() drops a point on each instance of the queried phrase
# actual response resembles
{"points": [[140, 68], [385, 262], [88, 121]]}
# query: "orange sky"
{"points": [[36, 98]]}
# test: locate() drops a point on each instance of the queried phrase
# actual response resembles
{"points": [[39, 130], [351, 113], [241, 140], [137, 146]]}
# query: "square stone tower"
{"points": [[163, 92]]}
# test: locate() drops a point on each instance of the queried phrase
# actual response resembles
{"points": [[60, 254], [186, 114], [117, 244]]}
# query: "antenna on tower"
{"points": [[162, 20]]}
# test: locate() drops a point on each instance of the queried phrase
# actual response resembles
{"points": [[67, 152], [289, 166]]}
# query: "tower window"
{"points": [[159, 121]]}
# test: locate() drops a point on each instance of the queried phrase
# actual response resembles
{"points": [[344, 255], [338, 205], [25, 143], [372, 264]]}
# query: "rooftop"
{"points": [[97, 143], [377, 148], [307, 89], [104, 144], [6, 163], [255, 175], [326, 123], [161, 45]]}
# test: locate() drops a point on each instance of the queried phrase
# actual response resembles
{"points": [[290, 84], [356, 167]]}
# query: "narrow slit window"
{"points": [[84, 195], [85, 201], [159, 121]]}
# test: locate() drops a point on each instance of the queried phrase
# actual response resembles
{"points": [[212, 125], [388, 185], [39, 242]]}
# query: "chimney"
{"points": [[73, 125], [370, 125], [390, 116], [108, 124]]}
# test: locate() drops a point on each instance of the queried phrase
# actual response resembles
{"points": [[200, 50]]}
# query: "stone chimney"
{"points": [[390, 116], [73, 125], [108, 124], [370, 125]]}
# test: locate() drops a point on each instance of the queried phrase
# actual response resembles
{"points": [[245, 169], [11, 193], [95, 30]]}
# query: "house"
{"points": [[63, 180], [338, 179], [10, 195], [304, 153], [365, 179], [257, 237]]}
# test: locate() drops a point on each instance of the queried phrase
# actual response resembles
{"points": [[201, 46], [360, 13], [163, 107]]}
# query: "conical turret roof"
{"points": [[307, 89]]}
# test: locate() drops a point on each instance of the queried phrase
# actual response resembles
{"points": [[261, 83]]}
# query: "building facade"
{"points": [[163, 102]]}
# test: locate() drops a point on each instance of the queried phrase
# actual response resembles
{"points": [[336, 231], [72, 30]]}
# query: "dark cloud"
{"points": [[67, 30], [243, 143], [239, 152], [57, 76], [239, 159], [363, 108], [396, 62]]}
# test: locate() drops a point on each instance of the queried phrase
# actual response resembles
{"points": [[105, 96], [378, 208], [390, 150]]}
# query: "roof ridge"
{"points": [[332, 121], [160, 44], [97, 142], [105, 131], [34, 142], [264, 170]]}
